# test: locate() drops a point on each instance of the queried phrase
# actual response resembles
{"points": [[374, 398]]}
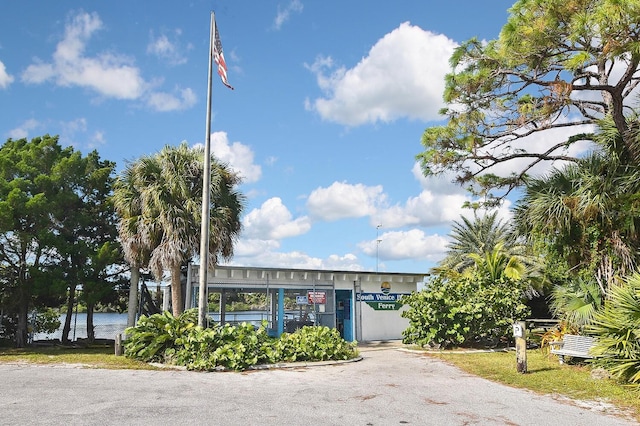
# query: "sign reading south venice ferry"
{"points": [[381, 301]]}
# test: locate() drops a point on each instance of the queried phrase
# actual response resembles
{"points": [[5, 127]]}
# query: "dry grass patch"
{"points": [[96, 356]]}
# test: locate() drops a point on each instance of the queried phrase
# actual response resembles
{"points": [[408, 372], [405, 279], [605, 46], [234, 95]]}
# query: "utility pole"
{"points": [[378, 241]]}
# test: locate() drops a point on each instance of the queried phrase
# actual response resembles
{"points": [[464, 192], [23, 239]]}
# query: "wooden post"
{"points": [[520, 334], [118, 344]]}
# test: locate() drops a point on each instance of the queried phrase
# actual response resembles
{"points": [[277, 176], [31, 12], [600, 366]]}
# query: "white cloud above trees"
{"points": [[401, 77], [274, 221], [108, 74], [5, 78], [342, 200]]}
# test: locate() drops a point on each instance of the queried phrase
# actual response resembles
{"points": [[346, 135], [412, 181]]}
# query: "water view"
{"points": [[108, 325]]}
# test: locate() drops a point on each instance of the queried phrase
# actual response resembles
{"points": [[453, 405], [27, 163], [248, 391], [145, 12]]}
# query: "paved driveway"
{"points": [[387, 387]]}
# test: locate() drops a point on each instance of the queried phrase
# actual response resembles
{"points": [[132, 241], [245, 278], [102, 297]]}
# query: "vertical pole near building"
{"points": [[206, 182], [520, 334]]}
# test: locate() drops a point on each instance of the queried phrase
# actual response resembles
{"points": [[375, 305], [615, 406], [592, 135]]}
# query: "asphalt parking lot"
{"points": [[389, 386]]}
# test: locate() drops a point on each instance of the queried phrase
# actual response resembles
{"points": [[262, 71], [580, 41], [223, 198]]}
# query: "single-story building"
{"points": [[363, 306]]}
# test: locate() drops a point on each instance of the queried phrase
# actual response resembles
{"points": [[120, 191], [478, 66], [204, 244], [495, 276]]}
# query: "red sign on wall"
{"points": [[317, 297]]}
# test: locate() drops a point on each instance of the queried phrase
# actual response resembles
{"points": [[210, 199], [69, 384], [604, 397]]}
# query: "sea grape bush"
{"points": [[178, 341], [156, 335], [463, 311], [313, 343]]}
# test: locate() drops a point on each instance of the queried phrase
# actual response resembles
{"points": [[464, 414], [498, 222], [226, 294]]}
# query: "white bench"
{"points": [[573, 346]]}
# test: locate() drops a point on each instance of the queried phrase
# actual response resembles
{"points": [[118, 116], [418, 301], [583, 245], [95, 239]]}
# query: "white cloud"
{"points": [[77, 134], [108, 74], [239, 156], [284, 13], [256, 253], [252, 247], [22, 131], [181, 100], [342, 200], [166, 48], [402, 76], [412, 244], [540, 142], [5, 78], [438, 204], [236, 155], [274, 221], [96, 140], [426, 209]]}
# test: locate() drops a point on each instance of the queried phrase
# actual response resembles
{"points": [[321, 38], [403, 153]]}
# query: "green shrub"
{"points": [[233, 347], [157, 334], [163, 338], [617, 328], [463, 311], [314, 343]]}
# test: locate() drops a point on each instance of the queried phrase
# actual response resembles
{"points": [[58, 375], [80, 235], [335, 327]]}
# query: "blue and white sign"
{"points": [[379, 297], [302, 300]]}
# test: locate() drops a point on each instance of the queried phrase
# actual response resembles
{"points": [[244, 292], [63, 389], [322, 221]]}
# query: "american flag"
{"points": [[218, 56]]}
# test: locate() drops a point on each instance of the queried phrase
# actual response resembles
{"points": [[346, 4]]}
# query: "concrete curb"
{"points": [[278, 366], [303, 364]]}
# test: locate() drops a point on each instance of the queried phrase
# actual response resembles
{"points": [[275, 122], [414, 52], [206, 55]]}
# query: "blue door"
{"points": [[344, 314]]}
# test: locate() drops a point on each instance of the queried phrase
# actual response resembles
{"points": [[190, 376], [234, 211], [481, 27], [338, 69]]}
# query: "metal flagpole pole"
{"points": [[206, 182]]}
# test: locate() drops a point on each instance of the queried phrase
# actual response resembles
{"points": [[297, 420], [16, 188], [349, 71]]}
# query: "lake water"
{"points": [[107, 325]]}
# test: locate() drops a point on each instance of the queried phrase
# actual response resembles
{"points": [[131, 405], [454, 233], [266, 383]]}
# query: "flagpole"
{"points": [[206, 183]]}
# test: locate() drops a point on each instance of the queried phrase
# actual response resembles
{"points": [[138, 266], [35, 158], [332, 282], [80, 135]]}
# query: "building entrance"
{"points": [[344, 314]]}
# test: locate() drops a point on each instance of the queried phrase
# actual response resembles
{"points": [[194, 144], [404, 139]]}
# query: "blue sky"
{"points": [[330, 102]]}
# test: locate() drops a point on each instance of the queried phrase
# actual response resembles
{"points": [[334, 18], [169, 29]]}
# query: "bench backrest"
{"points": [[571, 342]]}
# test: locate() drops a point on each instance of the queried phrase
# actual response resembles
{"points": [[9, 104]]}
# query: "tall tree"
{"points": [[44, 234], [557, 64], [28, 195], [136, 240], [161, 196], [85, 223]]}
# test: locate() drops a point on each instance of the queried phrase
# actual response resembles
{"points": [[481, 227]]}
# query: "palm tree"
{"points": [[497, 264], [577, 302], [161, 199], [587, 212], [134, 238], [477, 236]]}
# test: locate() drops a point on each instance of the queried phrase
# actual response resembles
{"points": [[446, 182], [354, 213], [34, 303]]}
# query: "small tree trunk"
{"points": [[24, 299], [91, 335], [177, 305], [67, 321], [22, 329], [133, 296]]}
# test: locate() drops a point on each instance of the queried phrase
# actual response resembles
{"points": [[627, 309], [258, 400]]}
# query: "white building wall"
{"points": [[382, 324]]}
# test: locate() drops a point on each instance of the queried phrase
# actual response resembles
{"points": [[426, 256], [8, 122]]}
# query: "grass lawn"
{"points": [[545, 375], [94, 356]]}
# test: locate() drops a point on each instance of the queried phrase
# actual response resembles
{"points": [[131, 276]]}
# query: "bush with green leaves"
{"points": [[156, 336], [164, 338], [463, 310], [617, 331], [234, 347], [313, 343]]}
